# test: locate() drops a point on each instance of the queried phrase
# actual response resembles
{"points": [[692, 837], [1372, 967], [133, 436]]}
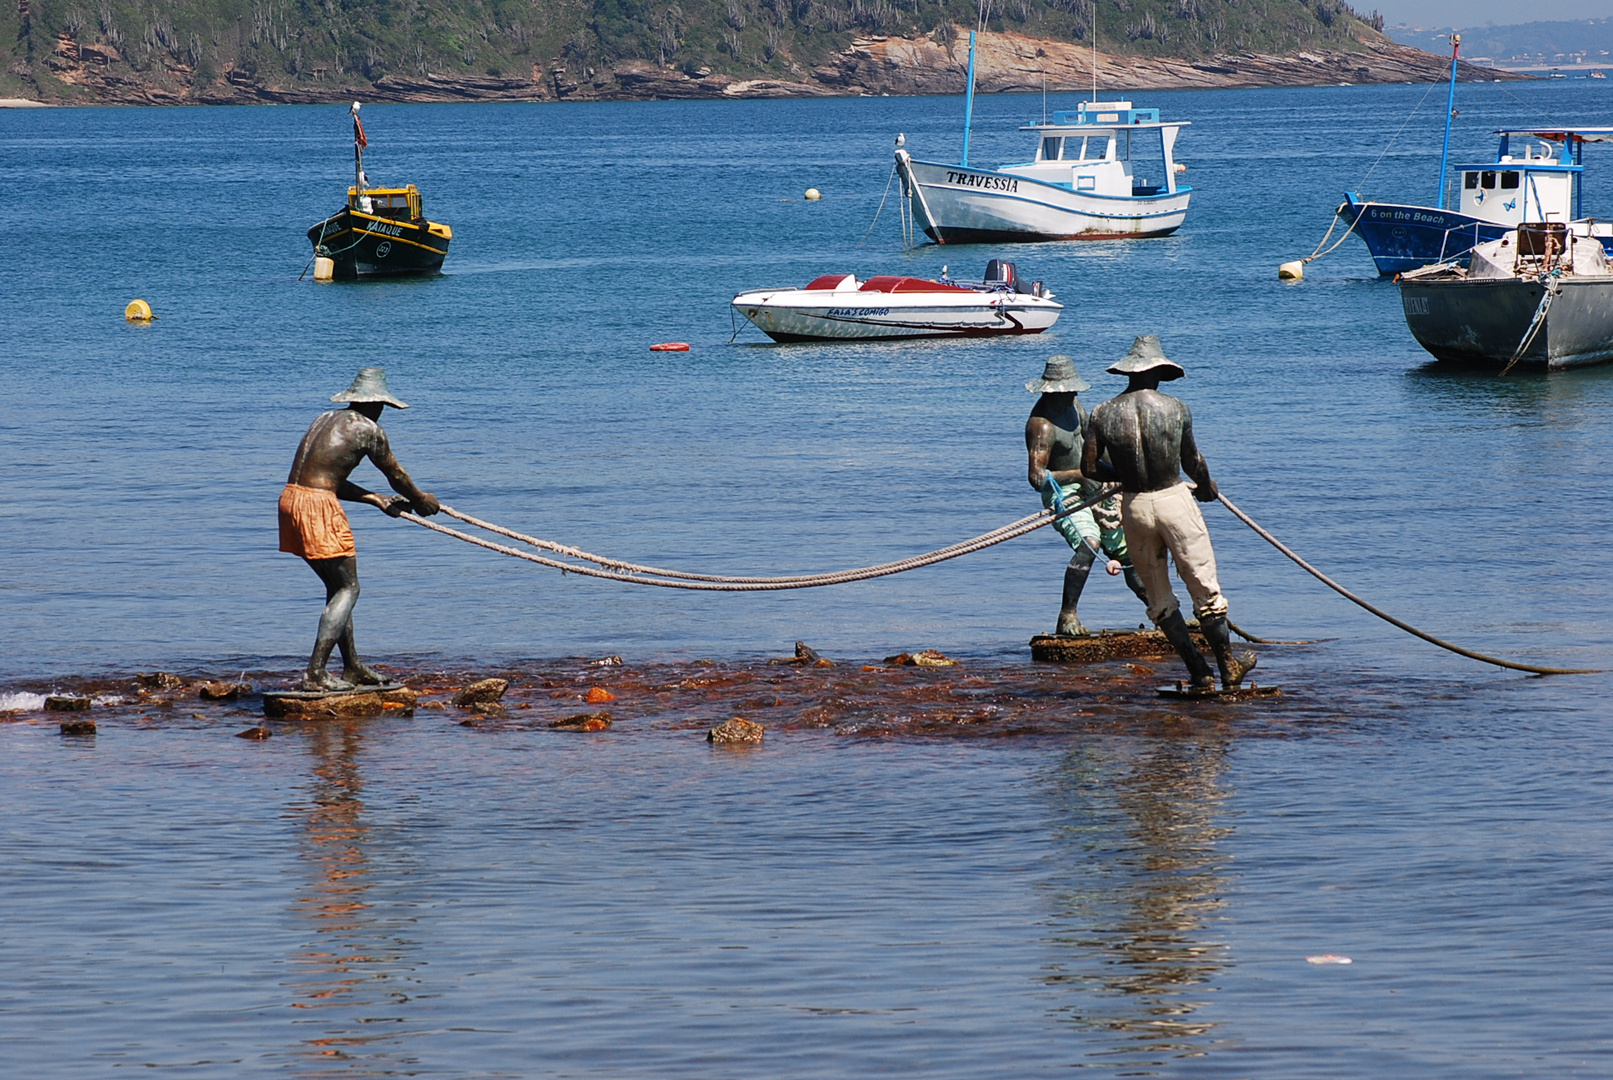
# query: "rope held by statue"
{"points": [[634, 573], [676, 579], [1384, 615]]}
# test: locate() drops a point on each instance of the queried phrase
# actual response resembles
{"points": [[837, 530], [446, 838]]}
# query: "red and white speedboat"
{"points": [[838, 306]]}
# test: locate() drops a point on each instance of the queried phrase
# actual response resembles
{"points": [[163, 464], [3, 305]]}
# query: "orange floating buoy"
{"points": [[671, 346]]}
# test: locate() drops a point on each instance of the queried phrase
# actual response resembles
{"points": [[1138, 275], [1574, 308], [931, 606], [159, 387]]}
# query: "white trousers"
{"points": [[1157, 522]]}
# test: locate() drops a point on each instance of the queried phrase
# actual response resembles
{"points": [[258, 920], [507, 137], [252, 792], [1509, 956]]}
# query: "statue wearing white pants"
{"points": [[1148, 437]]}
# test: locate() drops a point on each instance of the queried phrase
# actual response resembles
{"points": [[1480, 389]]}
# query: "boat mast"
{"points": [[359, 143], [1450, 112], [969, 101], [1094, 52]]}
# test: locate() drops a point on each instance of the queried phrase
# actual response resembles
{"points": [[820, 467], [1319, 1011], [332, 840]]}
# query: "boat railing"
{"points": [[1445, 241]]}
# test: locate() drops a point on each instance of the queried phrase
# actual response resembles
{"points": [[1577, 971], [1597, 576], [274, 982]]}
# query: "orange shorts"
{"points": [[313, 525]]}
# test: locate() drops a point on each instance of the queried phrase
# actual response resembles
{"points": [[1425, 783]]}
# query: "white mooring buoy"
{"points": [[324, 269], [813, 194], [1292, 271]]}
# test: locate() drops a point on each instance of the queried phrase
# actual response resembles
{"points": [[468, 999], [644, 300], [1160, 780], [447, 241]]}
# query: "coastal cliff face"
{"points": [[242, 51]]}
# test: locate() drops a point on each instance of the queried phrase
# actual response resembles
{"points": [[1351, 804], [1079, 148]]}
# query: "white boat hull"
{"points": [[954, 205], [818, 314]]}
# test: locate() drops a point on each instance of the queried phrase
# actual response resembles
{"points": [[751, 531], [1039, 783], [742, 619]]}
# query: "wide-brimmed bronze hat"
{"points": [[369, 386], [1058, 377], [1146, 355]]}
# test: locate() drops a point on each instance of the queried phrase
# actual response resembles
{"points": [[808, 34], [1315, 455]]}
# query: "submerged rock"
{"points": [[223, 691], [254, 733], [606, 661], [159, 680], [598, 695], [926, 658], [488, 708], [78, 727], [485, 692], [66, 703], [594, 721], [735, 731]]}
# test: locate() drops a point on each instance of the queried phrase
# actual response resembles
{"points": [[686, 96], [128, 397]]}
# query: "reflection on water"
{"points": [[1134, 934], [353, 962]]}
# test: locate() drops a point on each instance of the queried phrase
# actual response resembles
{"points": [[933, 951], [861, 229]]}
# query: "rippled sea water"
{"points": [[1000, 868]]}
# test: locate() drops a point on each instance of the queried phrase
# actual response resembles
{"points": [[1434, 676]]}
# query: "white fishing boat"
{"points": [[839, 306], [1106, 170], [1085, 183]]}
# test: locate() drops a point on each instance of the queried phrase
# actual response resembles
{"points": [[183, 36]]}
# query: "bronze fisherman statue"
{"points": [[313, 524], [1147, 436], [1054, 435]]}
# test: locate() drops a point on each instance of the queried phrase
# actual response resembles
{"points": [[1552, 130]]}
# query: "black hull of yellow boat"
{"points": [[366, 246]]}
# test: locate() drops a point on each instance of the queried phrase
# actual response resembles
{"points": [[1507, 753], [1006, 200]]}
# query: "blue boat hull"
{"points": [[1403, 238]]}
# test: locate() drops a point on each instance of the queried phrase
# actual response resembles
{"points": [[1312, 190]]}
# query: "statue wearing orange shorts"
{"points": [[314, 526]]}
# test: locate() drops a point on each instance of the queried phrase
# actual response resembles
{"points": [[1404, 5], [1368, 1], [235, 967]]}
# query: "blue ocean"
{"points": [[1001, 868]]}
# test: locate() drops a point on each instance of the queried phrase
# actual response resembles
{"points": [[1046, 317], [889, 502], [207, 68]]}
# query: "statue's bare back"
{"points": [[334, 445], [1148, 437]]}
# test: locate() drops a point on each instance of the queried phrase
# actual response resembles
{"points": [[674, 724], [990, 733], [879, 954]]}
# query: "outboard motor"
{"points": [[1002, 273]]}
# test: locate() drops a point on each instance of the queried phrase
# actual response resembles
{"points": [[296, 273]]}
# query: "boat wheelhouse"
{"points": [[1538, 180], [1104, 170]]}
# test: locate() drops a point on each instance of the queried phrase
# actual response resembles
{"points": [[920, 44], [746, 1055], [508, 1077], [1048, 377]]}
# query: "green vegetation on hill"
{"points": [[81, 48]]}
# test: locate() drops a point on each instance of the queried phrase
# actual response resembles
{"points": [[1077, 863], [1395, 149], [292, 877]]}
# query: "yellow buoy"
{"points": [[813, 194], [324, 269], [1291, 271], [138, 311]]}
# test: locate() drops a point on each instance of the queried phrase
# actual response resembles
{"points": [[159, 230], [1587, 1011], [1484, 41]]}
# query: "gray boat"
{"points": [[1538, 298]]}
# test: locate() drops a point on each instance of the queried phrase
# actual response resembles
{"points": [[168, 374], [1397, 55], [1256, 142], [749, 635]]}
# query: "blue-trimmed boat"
{"points": [[1538, 183], [1085, 182]]}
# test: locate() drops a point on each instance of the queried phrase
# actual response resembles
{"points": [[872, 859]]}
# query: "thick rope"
{"points": [[677, 579], [1385, 616], [1548, 281], [1247, 636]]}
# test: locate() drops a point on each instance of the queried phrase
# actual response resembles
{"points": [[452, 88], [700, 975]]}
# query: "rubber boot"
{"points": [[1134, 582], [1176, 632], [1219, 635], [1075, 579]]}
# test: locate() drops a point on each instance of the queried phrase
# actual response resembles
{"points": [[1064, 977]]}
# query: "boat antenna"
{"points": [[1044, 95], [1094, 52], [1450, 114]]}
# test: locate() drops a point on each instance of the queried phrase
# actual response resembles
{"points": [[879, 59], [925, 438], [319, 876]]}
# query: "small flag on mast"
{"points": [[358, 132]]}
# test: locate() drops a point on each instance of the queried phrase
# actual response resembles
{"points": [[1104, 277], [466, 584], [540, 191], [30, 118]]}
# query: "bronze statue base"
{"points": [[1106, 645], [340, 704]]}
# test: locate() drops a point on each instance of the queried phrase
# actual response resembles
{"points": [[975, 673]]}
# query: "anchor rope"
{"points": [[1552, 286], [881, 208], [1384, 615], [633, 573], [1318, 253]]}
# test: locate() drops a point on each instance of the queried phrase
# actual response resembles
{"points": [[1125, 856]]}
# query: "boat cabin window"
{"points": [[1470, 181], [1509, 180], [1487, 181], [1075, 149], [1051, 147]]}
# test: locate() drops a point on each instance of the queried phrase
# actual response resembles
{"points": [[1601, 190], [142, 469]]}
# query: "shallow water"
{"points": [[1001, 868]]}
